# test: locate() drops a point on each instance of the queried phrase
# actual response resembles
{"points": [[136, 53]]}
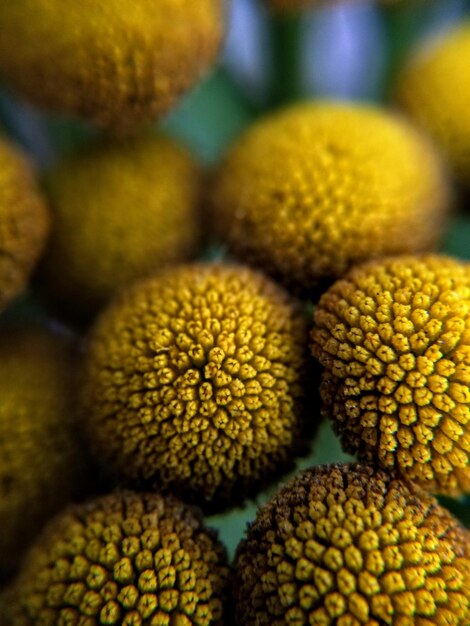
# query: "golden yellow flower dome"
{"points": [[41, 460], [394, 339], [194, 382], [345, 546], [121, 210], [311, 190], [24, 222], [434, 89], [114, 62], [124, 559]]}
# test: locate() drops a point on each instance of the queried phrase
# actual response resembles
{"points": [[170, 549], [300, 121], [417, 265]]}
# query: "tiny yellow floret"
{"points": [[122, 210], [394, 339], [24, 222], [118, 63], [434, 89], [41, 460], [194, 382], [311, 190], [347, 546], [124, 559]]}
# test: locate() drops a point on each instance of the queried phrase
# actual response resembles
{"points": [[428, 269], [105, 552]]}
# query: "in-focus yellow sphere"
{"points": [[434, 89], [118, 63], [394, 339], [195, 382], [123, 559], [343, 545], [121, 211], [311, 190], [24, 222]]}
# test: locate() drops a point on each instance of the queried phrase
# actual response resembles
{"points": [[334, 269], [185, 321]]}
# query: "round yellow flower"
{"points": [[24, 222], [119, 560], [344, 546], [41, 460], [121, 210], [114, 62], [194, 382], [315, 188], [434, 89], [394, 338]]}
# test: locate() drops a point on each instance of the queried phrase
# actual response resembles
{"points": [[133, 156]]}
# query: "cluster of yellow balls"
{"points": [[192, 382]]}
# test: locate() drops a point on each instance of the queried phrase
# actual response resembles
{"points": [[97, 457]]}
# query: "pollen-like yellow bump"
{"points": [[24, 222], [399, 558], [124, 559], [121, 210], [114, 62], [41, 461], [394, 339], [434, 89], [311, 190], [195, 382]]}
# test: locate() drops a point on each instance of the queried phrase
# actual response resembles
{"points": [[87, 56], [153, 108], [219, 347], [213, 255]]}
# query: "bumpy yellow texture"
{"points": [[40, 458], [309, 191], [394, 338], [115, 62], [125, 559], [344, 546], [24, 222], [194, 381], [121, 210], [434, 89]]}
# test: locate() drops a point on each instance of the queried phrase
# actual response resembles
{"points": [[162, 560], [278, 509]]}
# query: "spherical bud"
{"points": [[195, 382], [121, 211], [24, 222], [434, 88], [311, 190], [116, 63], [42, 464], [345, 546], [394, 339], [124, 559]]}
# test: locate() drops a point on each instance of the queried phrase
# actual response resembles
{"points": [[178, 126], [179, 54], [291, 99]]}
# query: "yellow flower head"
{"points": [[345, 546], [394, 338], [118, 63], [434, 89], [194, 382], [311, 190], [41, 462], [121, 210], [24, 222], [123, 559]]}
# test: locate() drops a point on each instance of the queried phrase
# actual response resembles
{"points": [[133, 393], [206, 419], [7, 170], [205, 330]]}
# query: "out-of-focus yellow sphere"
{"points": [[118, 63], [434, 89], [121, 210], [309, 191]]}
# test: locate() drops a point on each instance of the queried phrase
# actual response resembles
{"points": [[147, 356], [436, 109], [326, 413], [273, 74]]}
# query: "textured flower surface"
{"points": [[125, 559], [394, 338], [309, 191], [115, 62], [121, 210], [344, 546], [194, 381], [24, 222], [41, 461], [434, 89]]}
